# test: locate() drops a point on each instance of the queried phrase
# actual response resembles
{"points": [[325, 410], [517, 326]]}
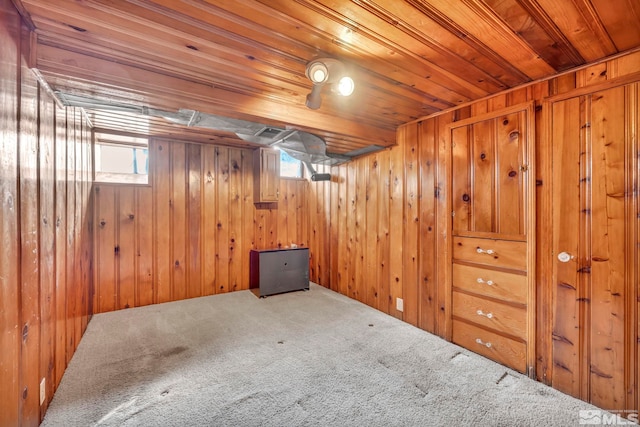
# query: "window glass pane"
{"points": [[122, 159], [290, 167]]}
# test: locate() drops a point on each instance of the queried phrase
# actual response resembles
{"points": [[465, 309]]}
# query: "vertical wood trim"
{"points": [[411, 228], [61, 246], [194, 219], [384, 249], [396, 212], [145, 282], [632, 283], [527, 115], [584, 270], [342, 205], [236, 214], [371, 238], [544, 246], [47, 247], [444, 225], [209, 237], [161, 152], [222, 209], [428, 296], [179, 224]]}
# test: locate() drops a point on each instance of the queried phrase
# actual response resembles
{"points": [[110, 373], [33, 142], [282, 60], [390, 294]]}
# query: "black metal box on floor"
{"points": [[274, 271]]}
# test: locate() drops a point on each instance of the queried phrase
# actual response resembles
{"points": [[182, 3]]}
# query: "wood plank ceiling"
{"points": [[246, 59]]}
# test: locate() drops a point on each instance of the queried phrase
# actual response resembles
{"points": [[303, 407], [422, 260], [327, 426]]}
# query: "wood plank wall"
{"points": [[189, 232], [46, 260], [383, 227]]}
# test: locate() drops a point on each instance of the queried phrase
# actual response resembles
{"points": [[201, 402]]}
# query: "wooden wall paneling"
{"points": [[209, 220], [331, 196], [510, 187], [282, 214], [249, 214], [160, 152], [86, 235], [565, 126], [237, 250], [396, 211], [319, 226], [261, 228], [461, 188], [444, 224], [78, 228], [428, 290], [520, 96], [632, 358], [61, 244], [608, 383], [360, 229], [47, 247], [497, 103], [314, 232], [179, 224], [126, 230], [29, 248], [371, 237], [483, 187], [544, 223], [144, 292], [341, 203], [222, 208], [106, 249], [71, 232], [350, 237], [328, 244], [302, 213], [10, 218], [411, 225], [194, 286], [383, 249], [584, 242]]}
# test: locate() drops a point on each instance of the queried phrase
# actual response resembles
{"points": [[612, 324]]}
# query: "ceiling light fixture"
{"points": [[324, 71]]}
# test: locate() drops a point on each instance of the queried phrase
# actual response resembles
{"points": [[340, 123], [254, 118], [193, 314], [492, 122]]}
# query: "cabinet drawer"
{"points": [[496, 347], [491, 252], [492, 283], [490, 314]]}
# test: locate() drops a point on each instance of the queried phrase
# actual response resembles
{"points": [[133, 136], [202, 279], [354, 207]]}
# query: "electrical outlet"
{"points": [[399, 304], [43, 390]]}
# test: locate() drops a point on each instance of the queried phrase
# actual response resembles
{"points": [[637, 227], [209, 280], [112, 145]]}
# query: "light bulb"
{"points": [[346, 86]]}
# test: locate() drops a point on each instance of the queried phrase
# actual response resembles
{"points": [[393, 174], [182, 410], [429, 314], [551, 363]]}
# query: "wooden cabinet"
{"points": [[266, 163], [492, 288]]}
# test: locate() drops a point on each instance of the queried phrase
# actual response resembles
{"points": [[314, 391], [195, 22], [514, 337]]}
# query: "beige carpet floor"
{"points": [[311, 358]]}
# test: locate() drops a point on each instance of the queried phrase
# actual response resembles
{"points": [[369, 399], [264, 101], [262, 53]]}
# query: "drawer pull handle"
{"points": [[486, 344], [487, 251], [486, 282], [487, 315]]}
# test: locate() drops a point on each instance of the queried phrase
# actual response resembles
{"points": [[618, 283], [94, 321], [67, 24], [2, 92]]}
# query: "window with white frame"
{"points": [[121, 159], [289, 167]]}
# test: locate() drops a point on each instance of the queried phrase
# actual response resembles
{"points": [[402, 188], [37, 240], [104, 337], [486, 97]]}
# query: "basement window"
{"points": [[121, 159], [289, 167]]}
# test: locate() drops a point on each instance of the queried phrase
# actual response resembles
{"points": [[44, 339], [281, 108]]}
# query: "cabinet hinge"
{"points": [[453, 213]]}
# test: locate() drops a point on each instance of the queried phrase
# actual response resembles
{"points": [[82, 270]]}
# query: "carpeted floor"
{"points": [[311, 358]]}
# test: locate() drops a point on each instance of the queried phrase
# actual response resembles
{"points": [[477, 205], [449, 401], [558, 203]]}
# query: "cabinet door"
{"points": [[488, 181], [595, 246], [267, 170]]}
